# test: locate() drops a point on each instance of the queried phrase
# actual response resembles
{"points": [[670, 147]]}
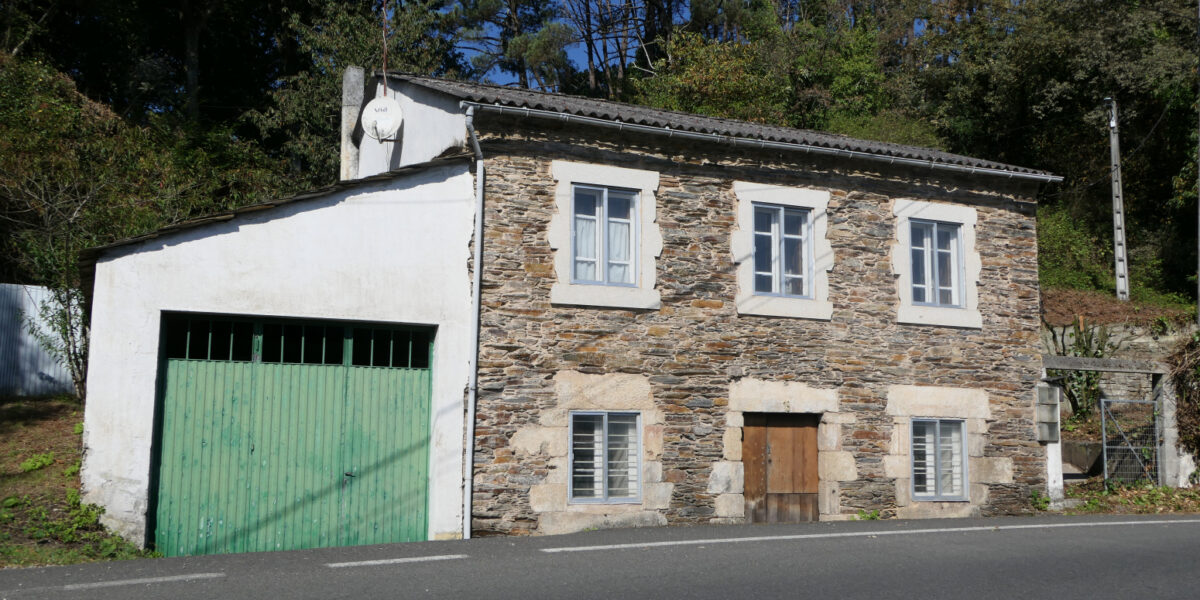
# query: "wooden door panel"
{"points": [[779, 455], [804, 465], [791, 508], [754, 463]]}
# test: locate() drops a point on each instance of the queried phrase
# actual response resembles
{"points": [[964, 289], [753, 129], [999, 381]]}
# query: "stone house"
{"points": [[680, 319]]}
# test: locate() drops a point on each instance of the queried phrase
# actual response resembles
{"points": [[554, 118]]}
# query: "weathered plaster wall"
{"points": [[696, 350], [392, 252], [432, 123]]}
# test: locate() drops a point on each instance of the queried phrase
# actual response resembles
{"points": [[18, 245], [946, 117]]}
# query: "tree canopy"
{"points": [[193, 105]]}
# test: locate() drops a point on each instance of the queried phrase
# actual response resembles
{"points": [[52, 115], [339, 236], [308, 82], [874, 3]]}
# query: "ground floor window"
{"points": [[605, 451], [939, 459]]}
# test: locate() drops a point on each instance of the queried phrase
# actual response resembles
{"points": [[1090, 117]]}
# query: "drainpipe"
{"points": [[476, 309]]}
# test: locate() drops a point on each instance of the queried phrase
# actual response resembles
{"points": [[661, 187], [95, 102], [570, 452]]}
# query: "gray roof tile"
{"points": [[642, 115]]}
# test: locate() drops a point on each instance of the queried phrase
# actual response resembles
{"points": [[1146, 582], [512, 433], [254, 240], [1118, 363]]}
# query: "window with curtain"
{"points": [[936, 263], [605, 450], [604, 244], [939, 460], [782, 251]]}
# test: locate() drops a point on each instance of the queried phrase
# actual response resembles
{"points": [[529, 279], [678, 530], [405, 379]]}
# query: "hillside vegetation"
{"points": [[118, 118]]}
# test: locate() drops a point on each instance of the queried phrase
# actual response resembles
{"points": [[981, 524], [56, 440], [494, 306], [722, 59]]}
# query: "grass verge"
{"points": [[1096, 497], [42, 519]]}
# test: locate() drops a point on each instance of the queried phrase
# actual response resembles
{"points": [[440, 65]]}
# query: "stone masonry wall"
{"points": [[696, 346]]}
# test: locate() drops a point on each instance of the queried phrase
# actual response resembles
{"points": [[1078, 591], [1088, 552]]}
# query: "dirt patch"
{"points": [[30, 428], [1096, 497], [42, 520], [1082, 430], [1061, 307]]}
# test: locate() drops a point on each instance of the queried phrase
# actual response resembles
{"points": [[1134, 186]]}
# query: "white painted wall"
{"points": [[394, 251], [433, 122]]}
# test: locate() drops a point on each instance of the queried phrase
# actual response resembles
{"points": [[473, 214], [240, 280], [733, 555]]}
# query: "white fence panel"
{"points": [[25, 368]]}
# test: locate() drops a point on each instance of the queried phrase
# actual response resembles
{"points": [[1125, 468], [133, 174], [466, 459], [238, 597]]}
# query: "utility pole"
{"points": [[1119, 255]]}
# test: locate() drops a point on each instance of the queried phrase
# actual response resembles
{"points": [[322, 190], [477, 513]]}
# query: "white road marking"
{"points": [[166, 579], [817, 536], [395, 561]]}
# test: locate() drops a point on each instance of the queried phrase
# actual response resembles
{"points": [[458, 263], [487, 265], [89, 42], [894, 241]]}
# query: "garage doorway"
{"points": [[284, 435], [779, 453]]}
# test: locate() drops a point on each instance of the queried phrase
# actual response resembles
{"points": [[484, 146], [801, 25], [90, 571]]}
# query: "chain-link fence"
{"points": [[1131, 439]]}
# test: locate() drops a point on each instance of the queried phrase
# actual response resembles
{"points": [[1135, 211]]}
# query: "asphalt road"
{"points": [[1044, 557]]}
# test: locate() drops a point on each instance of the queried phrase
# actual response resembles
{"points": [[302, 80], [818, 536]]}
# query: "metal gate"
{"points": [[280, 435], [1131, 439]]}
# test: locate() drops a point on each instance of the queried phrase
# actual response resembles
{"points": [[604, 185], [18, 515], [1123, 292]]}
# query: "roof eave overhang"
{"points": [[760, 143]]}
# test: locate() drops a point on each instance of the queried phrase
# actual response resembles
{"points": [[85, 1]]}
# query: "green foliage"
{"points": [[303, 115], [865, 515], [1025, 84], [73, 469], [79, 527], [1081, 388], [518, 37], [544, 54], [719, 79], [1039, 502], [75, 175], [827, 78], [37, 461], [1068, 254], [890, 125], [78, 428]]}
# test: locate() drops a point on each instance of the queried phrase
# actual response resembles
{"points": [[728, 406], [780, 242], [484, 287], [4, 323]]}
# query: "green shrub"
{"points": [[1069, 256]]}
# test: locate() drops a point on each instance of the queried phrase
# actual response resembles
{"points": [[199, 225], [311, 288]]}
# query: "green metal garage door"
{"points": [[288, 435]]}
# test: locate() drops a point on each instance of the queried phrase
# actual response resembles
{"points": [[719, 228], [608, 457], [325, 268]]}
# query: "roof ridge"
{"points": [[625, 112], [496, 86]]}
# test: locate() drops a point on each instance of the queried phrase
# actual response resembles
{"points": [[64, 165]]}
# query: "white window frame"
{"points": [[604, 498], [930, 268], [648, 243], [937, 495], [603, 258], [814, 304], [966, 313], [779, 238]]}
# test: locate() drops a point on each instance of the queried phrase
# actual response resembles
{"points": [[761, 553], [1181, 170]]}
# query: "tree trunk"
{"points": [[194, 14], [590, 42]]}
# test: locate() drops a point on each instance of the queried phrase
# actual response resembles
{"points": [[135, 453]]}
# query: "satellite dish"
{"points": [[381, 118]]}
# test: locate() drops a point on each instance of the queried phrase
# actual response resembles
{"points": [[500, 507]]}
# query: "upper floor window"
{"points": [[782, 251], [604, 248], [937, 264], [936, 250], [605, 236]]}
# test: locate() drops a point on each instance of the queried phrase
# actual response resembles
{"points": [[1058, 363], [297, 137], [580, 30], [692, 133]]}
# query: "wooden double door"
{"points": [[779, 452]]}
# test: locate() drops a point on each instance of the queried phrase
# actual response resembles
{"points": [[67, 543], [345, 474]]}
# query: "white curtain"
{"points": [[585, 248]]}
